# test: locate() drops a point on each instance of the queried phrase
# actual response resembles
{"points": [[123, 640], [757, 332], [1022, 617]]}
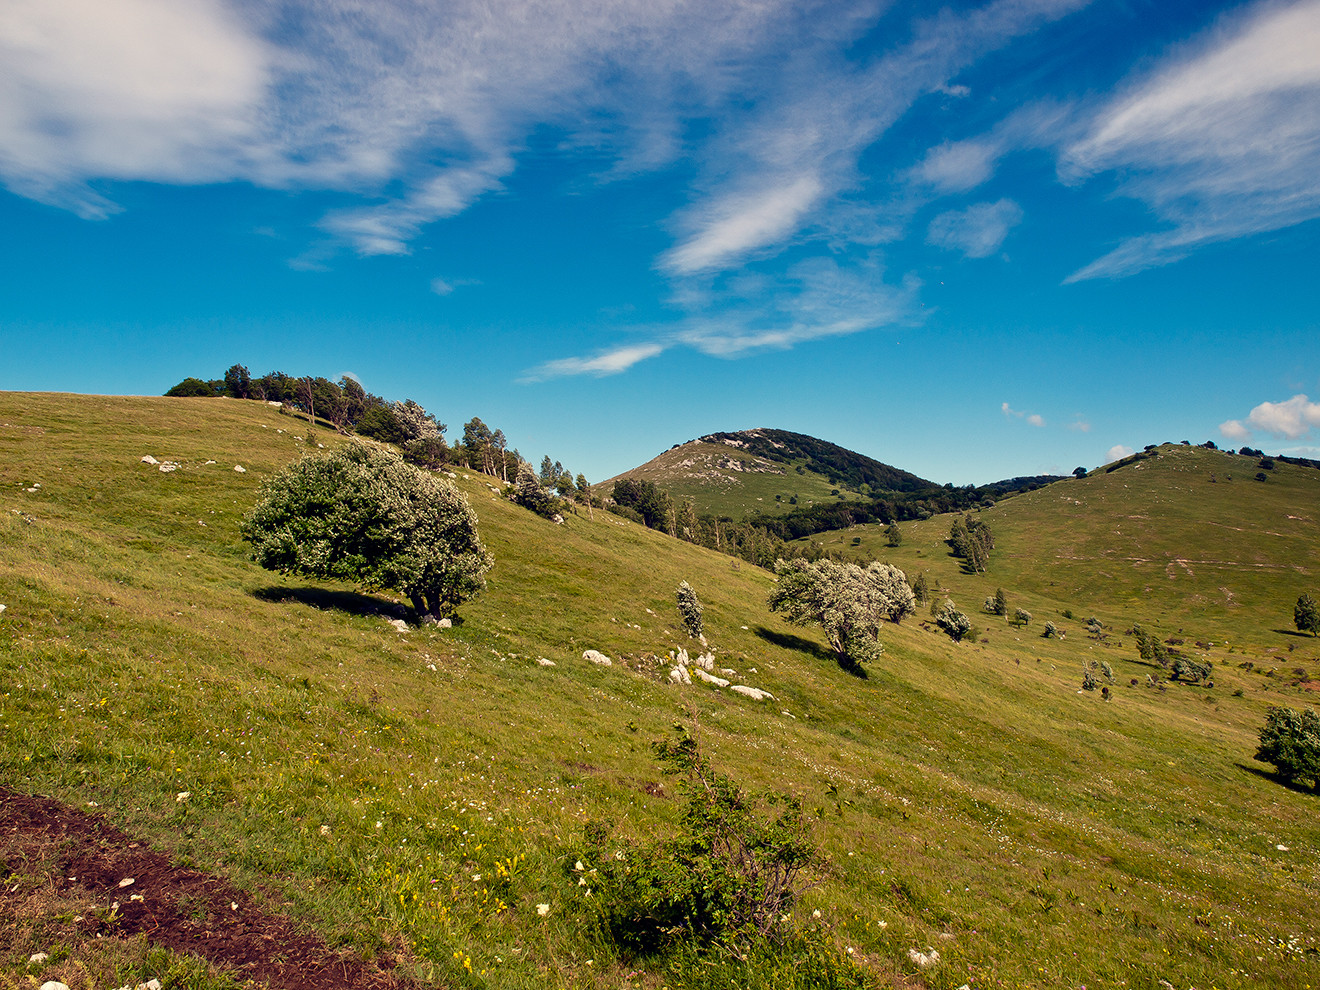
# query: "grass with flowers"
{"points": [[425, 795]]}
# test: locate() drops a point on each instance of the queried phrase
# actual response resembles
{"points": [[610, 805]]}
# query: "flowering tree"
{"points": [[362, 514], [847, 601]]}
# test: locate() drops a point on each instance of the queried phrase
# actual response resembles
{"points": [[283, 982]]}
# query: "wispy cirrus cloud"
{"points": [[977, 231], [1221, 141], [785, 167], [815, 299]]}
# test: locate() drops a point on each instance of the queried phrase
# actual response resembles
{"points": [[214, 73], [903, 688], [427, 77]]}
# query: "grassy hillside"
{"points": [[724, 479], [419, 795]]}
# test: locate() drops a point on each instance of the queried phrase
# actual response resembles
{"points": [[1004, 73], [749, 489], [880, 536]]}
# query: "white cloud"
{"points": [[605, 363], [810, 135], [977, 231], [448, 286], [816, 299], [1118, 452], [162, 90], [745, 224], [1033, 419], [1290, 419], [1080, 425], [1221, 141], [1233, 430]]}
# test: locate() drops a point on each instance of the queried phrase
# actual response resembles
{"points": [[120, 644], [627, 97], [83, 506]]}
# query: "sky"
{"points": [[974, 241]]}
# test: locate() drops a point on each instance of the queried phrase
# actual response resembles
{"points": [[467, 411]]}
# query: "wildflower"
{"points": [[543, 909]]}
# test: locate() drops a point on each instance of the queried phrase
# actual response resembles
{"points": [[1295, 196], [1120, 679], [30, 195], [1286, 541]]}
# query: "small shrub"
{"points": [[1051, 631], [1022, 617], [689, 609], [730, 874], [953, 622]]}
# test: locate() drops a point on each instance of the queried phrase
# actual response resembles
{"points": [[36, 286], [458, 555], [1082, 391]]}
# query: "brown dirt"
{"points": [[184, 910]]}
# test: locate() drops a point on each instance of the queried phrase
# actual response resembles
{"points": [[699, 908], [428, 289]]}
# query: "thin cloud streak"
{"points": [[1221, 142]]}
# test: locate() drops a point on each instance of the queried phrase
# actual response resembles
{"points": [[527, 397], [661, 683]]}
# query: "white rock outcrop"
{"points": [[756, 694], [150, 460], [596, 657], [679, 675], [711, 678], [240, 469], [398, 624]]}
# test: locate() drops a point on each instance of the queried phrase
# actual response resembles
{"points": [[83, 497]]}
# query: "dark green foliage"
{"points": [[1051, 631], [380, 423], [953, 622], [238, 383], [729, 876], [1306, 615], [689, 609], [361, 514], [894, 535], [837, 463], [970, 538], [431, 452], [193, 388], [531, 494], [1079, 472], [1191, 670], [1291, 741], [644, 497], [919, 589]]}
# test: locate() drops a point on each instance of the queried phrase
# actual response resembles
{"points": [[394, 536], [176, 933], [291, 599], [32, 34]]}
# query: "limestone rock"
{"points": [[596, 657], [756, 694], [150, 460], [711, 678]]}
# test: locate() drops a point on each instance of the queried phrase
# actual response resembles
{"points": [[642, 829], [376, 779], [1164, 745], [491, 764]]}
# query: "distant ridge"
{"points": [[838, 464]]}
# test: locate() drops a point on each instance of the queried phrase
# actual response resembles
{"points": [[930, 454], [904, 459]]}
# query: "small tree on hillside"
{"points": [[1022, 617], [530, 494], [1306, 615], [919, 589], [689, 609], [1290, 740], [361, 514], [847, 601], [894, 535], [953, 622]]}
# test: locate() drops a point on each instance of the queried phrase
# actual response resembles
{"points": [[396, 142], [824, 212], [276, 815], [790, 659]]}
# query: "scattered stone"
{"points": [[706, 662], [3, 607], [325, 830], [167, 467], [240, 469], [557, 519], [37, 958], [127, 882], [680, 675], [398, 624], [596, 657], [756, 694], [210, 462], [150, 460], [544, 662], [54, 985], [711, 678], [182, 797], [924, 959]]}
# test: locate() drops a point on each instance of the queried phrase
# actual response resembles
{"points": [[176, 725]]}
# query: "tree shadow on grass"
{"points": [[1296, 632], [1277, 778], [350, 602], [788, 641]]}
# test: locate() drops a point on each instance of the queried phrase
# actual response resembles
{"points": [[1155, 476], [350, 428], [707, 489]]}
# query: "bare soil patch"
{"points": [[83, 858]]}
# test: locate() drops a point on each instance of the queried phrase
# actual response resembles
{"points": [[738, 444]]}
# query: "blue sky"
{"points": [[973, 241]]}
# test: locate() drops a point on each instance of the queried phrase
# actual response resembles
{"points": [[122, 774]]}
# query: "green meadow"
{"points": [[424, 794]]}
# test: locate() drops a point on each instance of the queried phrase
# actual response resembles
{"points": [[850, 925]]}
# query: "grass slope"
{"points": [[724, 481], [421, 794]]}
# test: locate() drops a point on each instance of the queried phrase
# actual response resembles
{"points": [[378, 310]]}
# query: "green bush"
{"points": [[689, 609], [729, 876], [1291, 741]]}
